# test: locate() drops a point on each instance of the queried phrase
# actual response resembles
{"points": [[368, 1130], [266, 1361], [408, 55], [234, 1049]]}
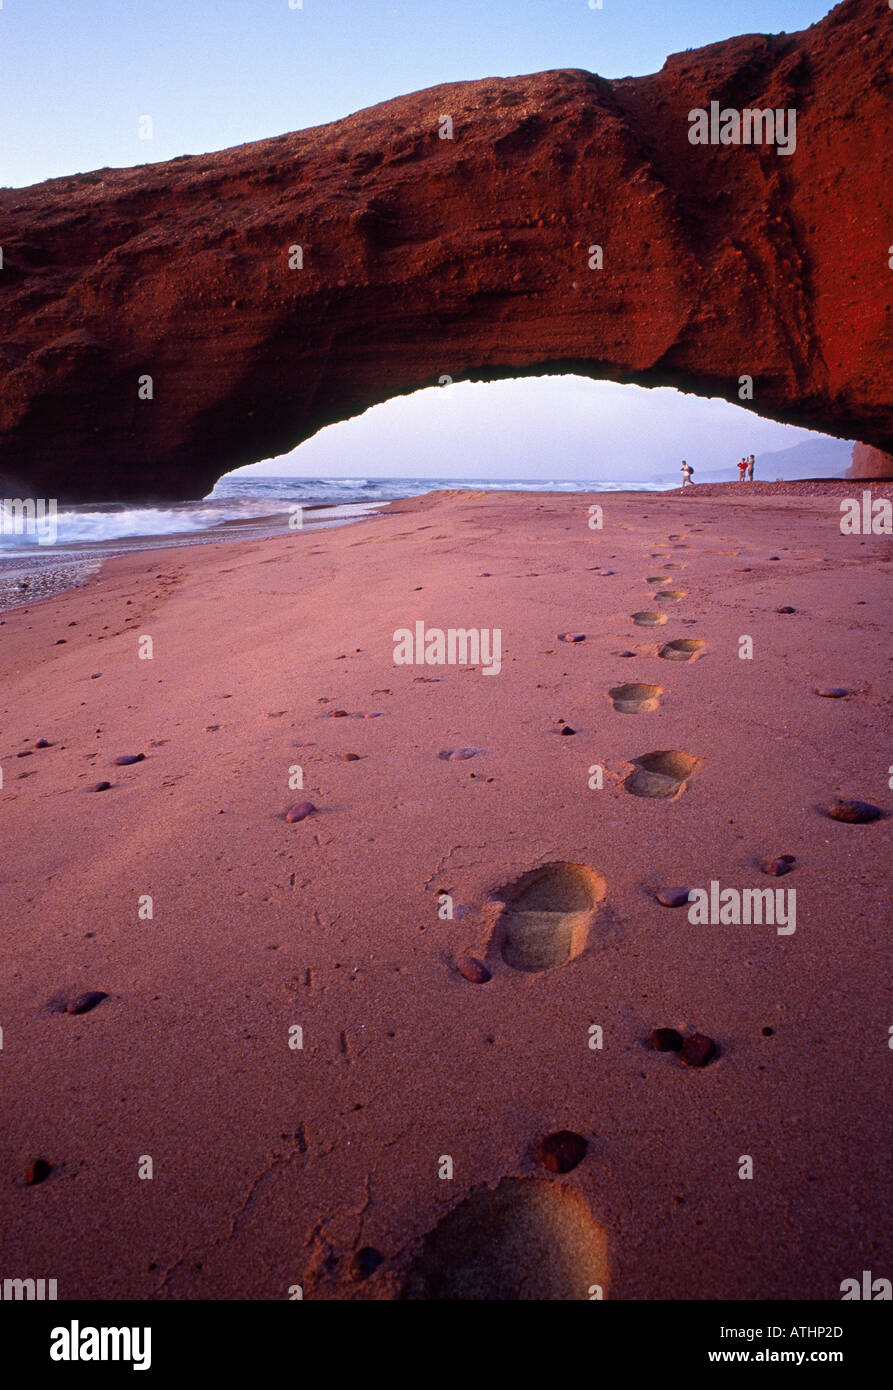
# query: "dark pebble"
{"points": [[561, 1151], [473, 970], [672, 897], [666, 1040], [572, 636], [350, 758], [698, 1050], [26, 754], [43, 743], [101, 787], [127, 758], [832, 692], [786, 609], [853, 812], [85, 1002], [338, 714], [782, 865], [37, 1172], [566, 730], [300, 812]]}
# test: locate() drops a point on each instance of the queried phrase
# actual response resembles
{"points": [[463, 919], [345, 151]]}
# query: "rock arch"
{"points": [[422, 256]]}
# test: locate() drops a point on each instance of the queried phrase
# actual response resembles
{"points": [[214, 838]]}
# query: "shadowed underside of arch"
{"points": [[422, 256]]}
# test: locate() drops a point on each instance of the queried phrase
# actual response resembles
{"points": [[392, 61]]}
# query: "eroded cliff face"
{"points": [[870, 463], [422, 256]]}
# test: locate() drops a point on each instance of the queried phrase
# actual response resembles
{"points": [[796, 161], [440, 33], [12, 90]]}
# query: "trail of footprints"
{"points": [[533, 1238]]}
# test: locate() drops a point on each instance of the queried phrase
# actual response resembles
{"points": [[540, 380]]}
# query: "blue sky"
{"points": [[76, 76]]}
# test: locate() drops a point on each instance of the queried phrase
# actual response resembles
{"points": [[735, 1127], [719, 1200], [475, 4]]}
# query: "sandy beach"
{"points": [[456, 999]]}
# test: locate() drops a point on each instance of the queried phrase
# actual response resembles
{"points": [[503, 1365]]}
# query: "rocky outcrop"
{"points": [[870, 463], [159, 326]]}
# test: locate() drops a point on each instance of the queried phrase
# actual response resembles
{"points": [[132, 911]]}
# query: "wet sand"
{"points": [[441, 1054]]}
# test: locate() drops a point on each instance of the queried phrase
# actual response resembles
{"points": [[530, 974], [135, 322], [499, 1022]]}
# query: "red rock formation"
{"points": [[466, 256], [870, 463]]}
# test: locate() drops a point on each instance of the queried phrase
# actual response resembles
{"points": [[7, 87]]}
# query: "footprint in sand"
{"points": [[547, 914], [657, 579], [649, 618], [530, 1238], [636, 698], [682, 649], [663, 774], [670, 595]]}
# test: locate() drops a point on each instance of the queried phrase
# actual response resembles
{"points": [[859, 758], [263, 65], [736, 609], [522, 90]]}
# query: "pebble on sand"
{"points": [[853, 812], [43, 743], [127, 758], [473, 970], [338, 714], [85, 1002], [666, 1040], [300, 811], [698, 1050], [778, 866], [572, 636], [350, 757], [37, 1171], [672, 897], [562, 1151], [832, 692], [101, 787], [786, 609], [566, 730]]}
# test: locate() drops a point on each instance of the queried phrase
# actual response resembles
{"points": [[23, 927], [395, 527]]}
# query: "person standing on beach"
{"points": [[750, 463], [687, 471], [742, 470]]}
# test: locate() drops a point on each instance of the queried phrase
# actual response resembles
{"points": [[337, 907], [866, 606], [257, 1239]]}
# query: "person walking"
{"points": [[750, 463], [687, 471]]}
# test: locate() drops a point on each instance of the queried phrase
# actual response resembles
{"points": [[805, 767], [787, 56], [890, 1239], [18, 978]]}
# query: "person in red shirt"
{"points": [[742, 470]]}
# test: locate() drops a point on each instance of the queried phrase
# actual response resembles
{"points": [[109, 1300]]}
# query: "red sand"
{"points": [[274, 1167]]}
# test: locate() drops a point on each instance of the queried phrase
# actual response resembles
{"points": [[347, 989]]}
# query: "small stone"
{"points": [[786, 609], [365, 1262], [698, 1050], [767, 1032], [43, 743], [566, 730], [832, 692], [338, 714], [350, 757], [562, 1151], [853, 812], [301, 811], [26, 754], [672, 897], [665, 1040], [627, 653], [473, 970], [100, 787], [85, 1002], [127, 758], [572, 636], [782, 865], [60, 641], [38, 1171]]}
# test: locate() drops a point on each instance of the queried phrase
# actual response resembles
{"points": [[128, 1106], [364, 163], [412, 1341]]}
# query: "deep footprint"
{"points": [[636, 699], [547, 915], [663, 774], [670, 595], [648, 618], [531, 1238], [682, 649]]}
